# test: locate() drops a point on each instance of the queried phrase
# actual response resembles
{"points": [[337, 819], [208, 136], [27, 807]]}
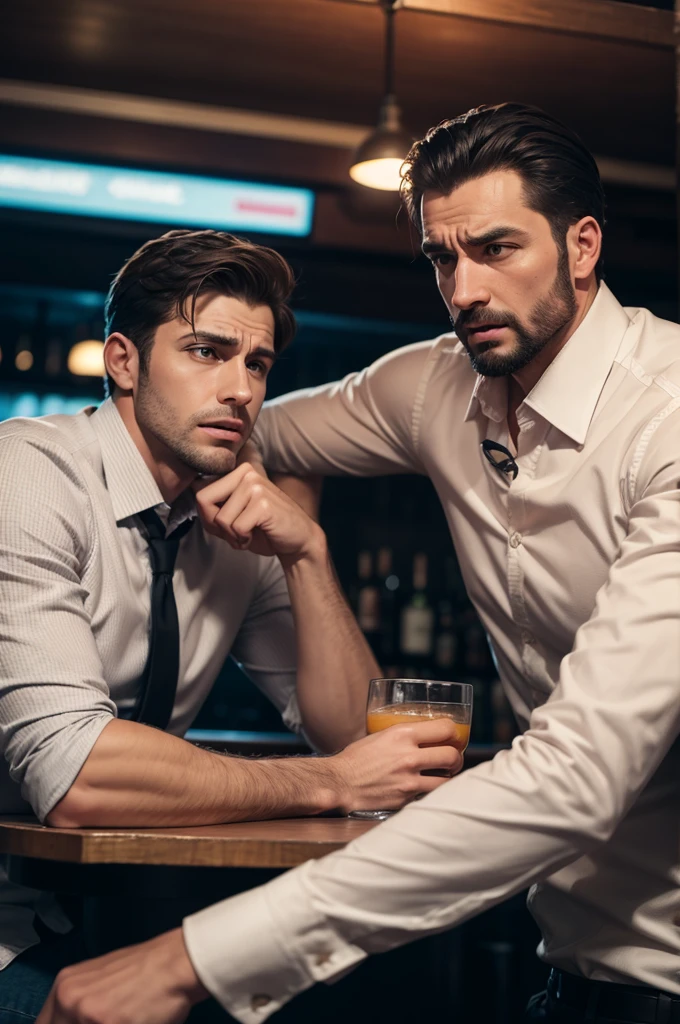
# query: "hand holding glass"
{"points": [[399, 701]]}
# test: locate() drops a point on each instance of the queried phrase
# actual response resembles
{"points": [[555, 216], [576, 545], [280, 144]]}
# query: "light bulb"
{"points": [[383, 173]]}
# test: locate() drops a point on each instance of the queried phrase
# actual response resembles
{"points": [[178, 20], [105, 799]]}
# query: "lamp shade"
{"points": [[378, 160]]}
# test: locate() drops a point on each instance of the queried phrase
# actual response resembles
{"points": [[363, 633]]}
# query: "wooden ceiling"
{"points": [[605, 67], [322, 59]]}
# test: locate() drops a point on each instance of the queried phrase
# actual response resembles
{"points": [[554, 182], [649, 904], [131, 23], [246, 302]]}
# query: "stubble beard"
{"points": [[157, 416], [549, 316]]}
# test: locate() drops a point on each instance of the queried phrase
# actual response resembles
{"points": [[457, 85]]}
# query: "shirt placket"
{"points": [[532, 433]]}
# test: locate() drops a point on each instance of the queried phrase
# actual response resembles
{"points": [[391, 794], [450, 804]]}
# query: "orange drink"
{"points": [[418, 711], [397, 701]]}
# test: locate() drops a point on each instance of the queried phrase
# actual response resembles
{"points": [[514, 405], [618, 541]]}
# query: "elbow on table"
{"points": [[76, 809]]}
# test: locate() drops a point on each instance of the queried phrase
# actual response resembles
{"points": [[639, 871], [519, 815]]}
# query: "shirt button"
{"points": [[258, 1002], [528, 638], [515, 539], [322, 959]]}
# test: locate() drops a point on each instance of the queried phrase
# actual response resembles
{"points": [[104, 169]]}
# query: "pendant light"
{"points": [[378, 160]]}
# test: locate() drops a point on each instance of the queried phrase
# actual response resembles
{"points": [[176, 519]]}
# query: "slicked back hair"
{"points": [[560, 177]]}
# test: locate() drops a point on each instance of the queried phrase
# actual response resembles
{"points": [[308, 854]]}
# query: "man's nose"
{"points": [[468, 287], [234, 387]]}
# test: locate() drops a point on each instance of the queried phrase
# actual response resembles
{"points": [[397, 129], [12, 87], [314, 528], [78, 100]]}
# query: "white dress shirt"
{"points": [[574, 569], [75, 587]]}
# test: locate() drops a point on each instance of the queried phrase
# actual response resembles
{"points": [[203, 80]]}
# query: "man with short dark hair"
{"points": [[550, 427], [118, 608]]}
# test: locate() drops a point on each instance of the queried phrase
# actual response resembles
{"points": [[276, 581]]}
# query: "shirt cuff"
{"points": [[255, 951]]}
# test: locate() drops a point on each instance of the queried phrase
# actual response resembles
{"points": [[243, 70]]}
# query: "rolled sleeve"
{"points": [[54, 701]]}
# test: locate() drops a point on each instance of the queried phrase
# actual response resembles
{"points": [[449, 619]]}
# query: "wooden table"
{"points": [[133, 884], [140, 881], [253, 844]]}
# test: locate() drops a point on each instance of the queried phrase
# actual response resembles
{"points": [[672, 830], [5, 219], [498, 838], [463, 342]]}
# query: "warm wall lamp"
{"points": [[378, 160]]}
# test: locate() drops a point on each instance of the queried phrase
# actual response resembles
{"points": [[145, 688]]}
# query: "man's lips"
{"points": [[225, 430], [485, 332]]}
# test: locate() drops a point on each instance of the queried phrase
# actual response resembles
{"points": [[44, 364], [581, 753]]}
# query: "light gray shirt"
{"points": [[574, 568], [75, 583]]}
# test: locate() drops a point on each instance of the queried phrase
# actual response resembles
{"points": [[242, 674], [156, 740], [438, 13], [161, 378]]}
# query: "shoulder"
{"points": [[651, 354], [59, 438], [41, 470], [400, 382], [417, 361], [652, 351]]}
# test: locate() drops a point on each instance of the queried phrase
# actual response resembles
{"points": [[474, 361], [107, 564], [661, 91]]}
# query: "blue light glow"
{"points": [[27, 403], [58, 186]]}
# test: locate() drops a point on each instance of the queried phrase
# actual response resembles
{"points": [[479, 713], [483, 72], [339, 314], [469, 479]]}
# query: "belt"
{"points": [[635, 1004]]}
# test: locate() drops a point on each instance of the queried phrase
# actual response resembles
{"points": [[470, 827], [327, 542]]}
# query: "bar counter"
{"points": [[255, 844]]}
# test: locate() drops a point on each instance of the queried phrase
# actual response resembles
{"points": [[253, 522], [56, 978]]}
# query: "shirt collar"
{"points": [[567, 393], [490, 394], [129, 482]]}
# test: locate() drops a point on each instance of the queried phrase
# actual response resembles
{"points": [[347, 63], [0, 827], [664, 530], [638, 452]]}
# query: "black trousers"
{"points": [[601, 1003], [541, 1008]]}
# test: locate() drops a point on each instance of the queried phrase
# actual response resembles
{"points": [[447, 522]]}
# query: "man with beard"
{"points": [[118, 609], [550, 427]]}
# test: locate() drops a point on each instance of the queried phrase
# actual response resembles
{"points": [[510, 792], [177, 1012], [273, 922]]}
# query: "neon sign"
{"points": [[89, 190]]}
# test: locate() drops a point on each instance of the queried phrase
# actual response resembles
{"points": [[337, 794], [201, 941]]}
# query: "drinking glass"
{"points": [[397, 701]]}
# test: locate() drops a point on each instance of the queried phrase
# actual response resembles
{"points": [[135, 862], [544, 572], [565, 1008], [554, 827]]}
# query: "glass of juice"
{"points": [[398, 701]]}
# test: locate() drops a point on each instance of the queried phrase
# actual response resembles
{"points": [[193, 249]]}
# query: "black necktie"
{"points": [[159, 685]]}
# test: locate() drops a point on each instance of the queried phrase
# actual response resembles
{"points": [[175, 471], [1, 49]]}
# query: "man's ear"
{"points": [[121, 359], [584, 244]]}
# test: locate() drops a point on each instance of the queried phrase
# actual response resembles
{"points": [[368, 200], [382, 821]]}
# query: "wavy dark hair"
{"points": [[560, 176], [165, 277]]}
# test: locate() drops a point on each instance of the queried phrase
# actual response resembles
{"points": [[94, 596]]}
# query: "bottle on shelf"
{"points": [[445, 640], [388, 583], [367, 597], [417, 620]]}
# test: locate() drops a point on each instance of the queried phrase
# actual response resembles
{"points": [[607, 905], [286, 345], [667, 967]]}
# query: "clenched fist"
{"points": [[153, 983]]}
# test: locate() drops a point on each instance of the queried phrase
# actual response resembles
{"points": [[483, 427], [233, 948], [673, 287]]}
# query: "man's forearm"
{"points": [[335, 662], [306, 491], [136, 775]]}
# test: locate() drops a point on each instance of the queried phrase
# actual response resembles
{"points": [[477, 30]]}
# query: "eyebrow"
{"points": [[486, 238], [225, 341]]}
